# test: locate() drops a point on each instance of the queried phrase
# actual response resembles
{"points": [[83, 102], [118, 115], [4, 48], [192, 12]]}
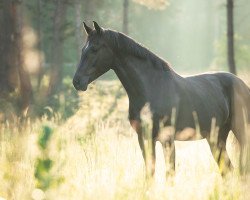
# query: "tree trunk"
{"points": [[12, 73], [39, 44], [125, 16], [25, 84], [57, 48], [230, 37], [8, 70], [78, 32], [88, 16]]}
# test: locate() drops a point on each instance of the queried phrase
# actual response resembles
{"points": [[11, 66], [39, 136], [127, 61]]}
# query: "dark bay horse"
{"points": [[149, 79]]}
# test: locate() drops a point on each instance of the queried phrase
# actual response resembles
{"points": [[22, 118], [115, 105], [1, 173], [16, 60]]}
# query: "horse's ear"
{"points": [[98, 29], [87, 28]]}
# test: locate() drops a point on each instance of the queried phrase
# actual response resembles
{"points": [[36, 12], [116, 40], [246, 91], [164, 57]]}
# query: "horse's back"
{"points": [[227, 82]]}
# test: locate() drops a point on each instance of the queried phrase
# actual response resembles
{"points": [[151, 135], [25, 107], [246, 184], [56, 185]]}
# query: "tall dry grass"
{"points": [[95, 155]]}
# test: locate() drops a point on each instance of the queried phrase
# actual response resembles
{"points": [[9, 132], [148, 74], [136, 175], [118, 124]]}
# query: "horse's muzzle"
{"points": [[81, 83]]}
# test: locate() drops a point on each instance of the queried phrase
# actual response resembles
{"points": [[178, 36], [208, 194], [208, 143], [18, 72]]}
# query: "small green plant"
{"points": [[44, 164]]}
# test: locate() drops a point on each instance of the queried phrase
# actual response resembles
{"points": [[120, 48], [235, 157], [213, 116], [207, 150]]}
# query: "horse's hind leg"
{"points": [[223, 156], [240, 109], [241, 164], [218, 148], [239, 130], [220, 154], [239, 134]]}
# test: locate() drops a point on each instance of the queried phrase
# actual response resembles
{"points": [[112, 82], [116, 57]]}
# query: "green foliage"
{"points": [[69, 100], [42, 173], [242, 54], [7, 108], [44, 164], [44, 137], [65, 102]]}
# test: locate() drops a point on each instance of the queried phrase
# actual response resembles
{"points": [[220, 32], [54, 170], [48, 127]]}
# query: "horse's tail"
{"points": [[248, 106]]}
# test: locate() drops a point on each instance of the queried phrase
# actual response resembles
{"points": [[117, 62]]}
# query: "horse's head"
{"points": [[96, 58]]}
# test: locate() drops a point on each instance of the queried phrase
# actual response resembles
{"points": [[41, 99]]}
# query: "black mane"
{"points": [[122, 43]]}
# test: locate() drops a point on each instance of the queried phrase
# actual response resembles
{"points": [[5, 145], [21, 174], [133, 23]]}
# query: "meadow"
{"points": [[94, 154]]}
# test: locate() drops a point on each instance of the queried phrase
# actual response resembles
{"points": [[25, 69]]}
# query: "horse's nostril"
{"points": [[76, 82]]}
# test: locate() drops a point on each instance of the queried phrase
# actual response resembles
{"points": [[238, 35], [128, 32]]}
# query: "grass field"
{"points": [[95, 155]]}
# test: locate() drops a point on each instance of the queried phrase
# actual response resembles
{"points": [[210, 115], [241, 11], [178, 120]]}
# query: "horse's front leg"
{"points": [[155, 131], [136, 124]]}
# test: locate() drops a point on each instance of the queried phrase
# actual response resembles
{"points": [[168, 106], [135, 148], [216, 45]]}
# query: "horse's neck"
{"points": [[129, 77], [138, 76]]}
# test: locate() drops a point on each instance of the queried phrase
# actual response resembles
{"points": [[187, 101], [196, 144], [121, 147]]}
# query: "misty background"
{"points": [[41, 42], [191, 35]]}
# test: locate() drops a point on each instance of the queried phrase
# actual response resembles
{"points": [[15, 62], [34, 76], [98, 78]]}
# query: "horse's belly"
{"points": [[201, 120]]}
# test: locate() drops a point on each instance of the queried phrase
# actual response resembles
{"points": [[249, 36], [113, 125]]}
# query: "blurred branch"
{"points": [[153, 4]]}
